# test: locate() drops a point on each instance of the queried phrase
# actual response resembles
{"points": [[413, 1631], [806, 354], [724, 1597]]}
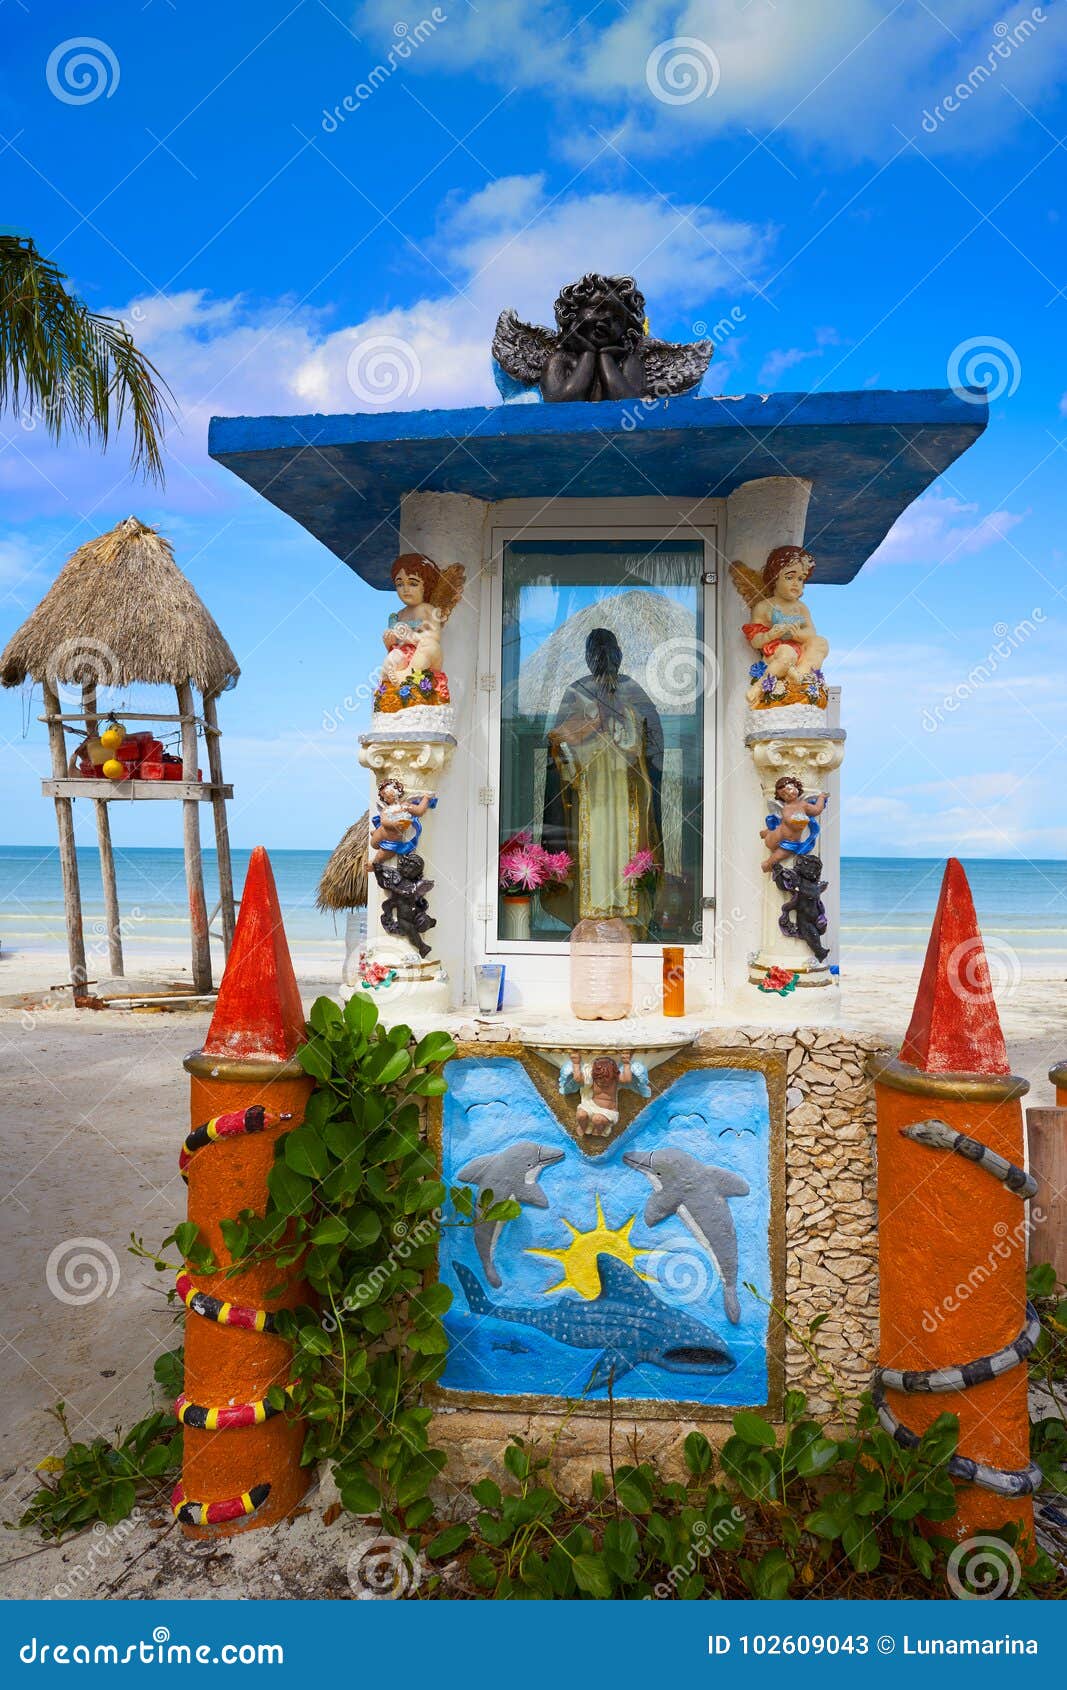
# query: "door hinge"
{"points": [[487, 683], [486, 795]]}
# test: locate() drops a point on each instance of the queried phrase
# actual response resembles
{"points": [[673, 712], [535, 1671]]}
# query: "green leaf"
{"points": [[364, 1226], [861, 1545], [754, 1429], [435, 1047], [1041, 1280], [773, 1576], [290, 1191], [385, 1065], [358, 1495], [324, 1015], [306, 1154], [487, 1492], [427, 1085], [315, 1059], [360, 1014], [592, 1576], [698, 1454], [332, 1229], [448, 1541], [823, 1523], [482, 1572]]}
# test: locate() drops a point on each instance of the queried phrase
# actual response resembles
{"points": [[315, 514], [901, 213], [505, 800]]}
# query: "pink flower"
{"points": [[638, 866], [557, 865], [521, 868]]}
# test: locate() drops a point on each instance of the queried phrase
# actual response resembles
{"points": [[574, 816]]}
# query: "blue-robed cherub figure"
{"points": [[599, 1080], [794, 832]]}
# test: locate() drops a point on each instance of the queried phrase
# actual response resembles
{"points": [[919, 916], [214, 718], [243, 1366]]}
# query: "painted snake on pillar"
{"points": [[1021, 1481]]}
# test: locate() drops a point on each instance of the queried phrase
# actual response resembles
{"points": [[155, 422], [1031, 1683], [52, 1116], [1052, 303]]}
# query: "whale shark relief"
{"points": [[696, 1192], [627, 1323], [511, 1172]]}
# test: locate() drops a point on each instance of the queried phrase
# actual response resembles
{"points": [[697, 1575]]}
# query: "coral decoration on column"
{"points": [[955, 1324], [241, 1458]]}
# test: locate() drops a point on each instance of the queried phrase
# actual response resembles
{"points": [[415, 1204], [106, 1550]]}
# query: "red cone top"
{"points": [[258, 1015], [955, 1028]]}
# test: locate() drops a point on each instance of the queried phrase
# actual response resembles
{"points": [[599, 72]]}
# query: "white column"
{"points": [[449, 528], [759, 516]]}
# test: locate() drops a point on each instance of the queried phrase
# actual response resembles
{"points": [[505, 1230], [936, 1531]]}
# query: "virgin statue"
{"points": [[602, 793]]}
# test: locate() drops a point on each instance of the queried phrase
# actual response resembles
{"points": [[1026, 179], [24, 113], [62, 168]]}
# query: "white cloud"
{"points": [[939, 528], [510, 244], [846, 74]]}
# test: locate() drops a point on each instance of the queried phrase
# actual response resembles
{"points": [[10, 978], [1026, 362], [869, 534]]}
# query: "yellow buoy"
{"points": [[113, 736], [113, 769]]}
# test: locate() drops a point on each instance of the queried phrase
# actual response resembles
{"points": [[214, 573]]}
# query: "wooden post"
{"points": [[241, 1466], [952, 1233], [222, 825], [194, 869], [1046, 1132], [68, 856], [107, 858]]}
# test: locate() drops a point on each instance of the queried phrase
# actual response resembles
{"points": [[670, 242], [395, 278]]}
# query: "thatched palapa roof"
{"points": [[120, 613], [344, 879]]}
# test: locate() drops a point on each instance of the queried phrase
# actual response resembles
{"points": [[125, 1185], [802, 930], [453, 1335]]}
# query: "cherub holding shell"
{"points": [[781, 632], [794, 831]]}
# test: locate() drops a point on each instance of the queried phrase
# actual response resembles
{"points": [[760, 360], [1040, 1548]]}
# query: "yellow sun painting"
{"points": [[578, 1258]]}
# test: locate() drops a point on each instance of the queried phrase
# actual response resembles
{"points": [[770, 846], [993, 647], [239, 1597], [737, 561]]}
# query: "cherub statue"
{"points": [[794, 831], [782, 632], [405, 912], [598, 1079], [428, 595], [397, 829], [601, 350]]}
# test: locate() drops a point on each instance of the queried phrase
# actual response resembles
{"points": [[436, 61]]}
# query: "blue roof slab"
{"points": [[867, 454]]}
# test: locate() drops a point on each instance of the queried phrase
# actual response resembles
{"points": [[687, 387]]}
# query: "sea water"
{"points": [[887, 904]]}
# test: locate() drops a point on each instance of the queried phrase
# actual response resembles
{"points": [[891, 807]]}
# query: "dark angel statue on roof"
{"points": [[601, 349]]}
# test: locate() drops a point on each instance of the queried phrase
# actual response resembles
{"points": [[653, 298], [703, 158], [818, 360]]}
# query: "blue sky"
{"points": [[804, 165]]}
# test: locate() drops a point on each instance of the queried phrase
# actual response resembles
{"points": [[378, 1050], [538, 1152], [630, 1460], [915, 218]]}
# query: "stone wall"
{"points": [[831, 1215]]}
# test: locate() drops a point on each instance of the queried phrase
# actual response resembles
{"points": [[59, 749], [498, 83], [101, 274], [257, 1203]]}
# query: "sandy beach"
{"points": [[93, 1106]]}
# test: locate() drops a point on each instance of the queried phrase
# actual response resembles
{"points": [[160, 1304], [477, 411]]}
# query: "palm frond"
{"points": [[77, 371]]}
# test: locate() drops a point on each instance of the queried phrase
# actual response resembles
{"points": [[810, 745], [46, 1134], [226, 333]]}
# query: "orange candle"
{"points": [[673, 980]]}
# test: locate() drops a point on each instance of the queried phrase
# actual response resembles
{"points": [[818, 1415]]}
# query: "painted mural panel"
{"points": [[628, 1268]]}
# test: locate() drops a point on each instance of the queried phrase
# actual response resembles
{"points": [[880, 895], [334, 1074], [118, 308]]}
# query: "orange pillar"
{"points": [[231, 1356], [952, 1237]]}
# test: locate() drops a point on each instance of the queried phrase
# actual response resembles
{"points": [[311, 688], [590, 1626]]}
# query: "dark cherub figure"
{"points": [[405, 912], [598, 355], [803, 914], [601, 348]]}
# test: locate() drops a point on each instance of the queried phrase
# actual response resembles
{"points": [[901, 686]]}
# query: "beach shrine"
{"points": [[604, 755]]}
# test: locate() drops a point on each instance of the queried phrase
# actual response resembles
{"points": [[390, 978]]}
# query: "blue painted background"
{"points": [[720, 1116]]}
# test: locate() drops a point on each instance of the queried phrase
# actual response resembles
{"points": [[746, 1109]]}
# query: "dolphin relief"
{"points": [[696, 1193], [627, 1323], [512, 1172]]}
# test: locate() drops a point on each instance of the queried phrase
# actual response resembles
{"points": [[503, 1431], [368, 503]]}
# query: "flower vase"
{"points": [[515, 923]]}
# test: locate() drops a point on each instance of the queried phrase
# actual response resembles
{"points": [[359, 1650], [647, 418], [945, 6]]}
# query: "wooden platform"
{"points": [[80, 786]]}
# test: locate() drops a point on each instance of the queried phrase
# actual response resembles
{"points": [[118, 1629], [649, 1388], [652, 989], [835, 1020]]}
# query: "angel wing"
{"points": [[449, 590], [749, 584], [672, 368], [522, 349]]}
